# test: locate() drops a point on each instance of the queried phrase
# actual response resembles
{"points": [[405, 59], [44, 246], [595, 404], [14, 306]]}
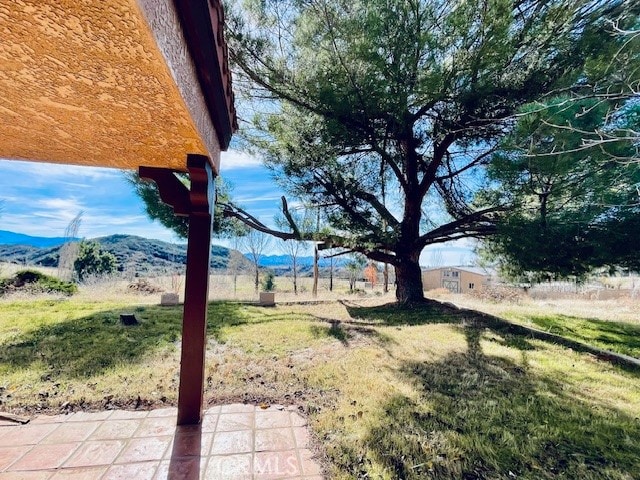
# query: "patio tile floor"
{"points": [[233, 442]]}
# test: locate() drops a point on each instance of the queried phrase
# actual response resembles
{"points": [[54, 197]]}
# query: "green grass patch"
{"points": [[271, 332], [391, 392], [83, 346], [617, 337]]}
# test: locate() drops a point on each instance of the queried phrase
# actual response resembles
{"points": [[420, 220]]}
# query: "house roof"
{"points": [[476, 270], [114, 83]]}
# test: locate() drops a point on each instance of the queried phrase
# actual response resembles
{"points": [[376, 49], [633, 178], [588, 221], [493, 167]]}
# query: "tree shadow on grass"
{"points": [[334, 329], [346, 331], [394, 314], [485, 417], [86, 346]]}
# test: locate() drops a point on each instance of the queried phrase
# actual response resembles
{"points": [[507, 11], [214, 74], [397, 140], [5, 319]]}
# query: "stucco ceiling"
{"points": [[99, 82]]}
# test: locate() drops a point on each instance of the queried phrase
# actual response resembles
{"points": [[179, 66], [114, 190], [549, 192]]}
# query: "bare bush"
{"points": [[499, 294]]}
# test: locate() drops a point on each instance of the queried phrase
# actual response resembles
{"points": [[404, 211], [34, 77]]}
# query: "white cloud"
{"points": [[142, 228], [37, 225], [61, 205], [48, 224], [235, 159], [456, 252], [58, 171], [253, 199]]}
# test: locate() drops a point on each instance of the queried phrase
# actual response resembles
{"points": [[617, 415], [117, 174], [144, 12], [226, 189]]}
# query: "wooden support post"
{"points": [[199, 206], [194, 321]]}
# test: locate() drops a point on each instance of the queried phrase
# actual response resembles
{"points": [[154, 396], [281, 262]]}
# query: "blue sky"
{"points": [[41, 199]]}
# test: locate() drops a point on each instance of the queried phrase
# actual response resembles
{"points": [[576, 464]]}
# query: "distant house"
{"points": [[457, 279]]}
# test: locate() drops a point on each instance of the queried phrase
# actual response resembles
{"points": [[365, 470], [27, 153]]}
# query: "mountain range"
{"points": [[13, 238], [137, 254], [133, 253]]}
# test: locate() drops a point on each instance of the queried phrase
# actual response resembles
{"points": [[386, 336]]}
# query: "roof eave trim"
{"points": [[202, 24]]}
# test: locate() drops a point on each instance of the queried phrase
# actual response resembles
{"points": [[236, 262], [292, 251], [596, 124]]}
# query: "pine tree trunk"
{"points": [[409, 281]]}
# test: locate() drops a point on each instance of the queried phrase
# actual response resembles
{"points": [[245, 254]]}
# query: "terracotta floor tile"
{"points": [[116, 429], [132, 471], [185, 468], [144, 449], [145, 445], [275, 439], [8, 455], [301, 435], [190, 444], [272, 419], [272, 465], [35, 475], [39, 419], [70, 432], [228, 422], [181, 469], [298, 420], [212, 409], [187, 429], [230, 467], [164, 412], [128, 414], [101, 452], [25, 434], [232, 442], [237, 408], [209, 423], [162, 473], [79, 473], [89, 416], [309, 465], [159, 426], [43, 457]]}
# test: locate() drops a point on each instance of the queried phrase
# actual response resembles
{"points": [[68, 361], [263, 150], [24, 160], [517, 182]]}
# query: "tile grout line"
{"points": [[208, 455], [6, 468], [253, 449], [295, 443]]}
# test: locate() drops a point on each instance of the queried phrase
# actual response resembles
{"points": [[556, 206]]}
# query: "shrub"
{"points": [[499, 293], [36, 282], [93, 261], [268, 282]]}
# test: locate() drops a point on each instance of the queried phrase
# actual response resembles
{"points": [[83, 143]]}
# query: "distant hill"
{"points": [[139, 254], [272, 261], [133, 253], [12, 238], [285, 260], [142, 254], [281, 264]]}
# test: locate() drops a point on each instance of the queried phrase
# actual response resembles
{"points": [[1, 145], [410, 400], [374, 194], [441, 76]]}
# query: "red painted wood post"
{"points": [[197, 203], [194, 321]]}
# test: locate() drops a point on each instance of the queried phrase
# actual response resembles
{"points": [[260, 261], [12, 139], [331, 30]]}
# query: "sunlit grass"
{"points": [[609, 325]]}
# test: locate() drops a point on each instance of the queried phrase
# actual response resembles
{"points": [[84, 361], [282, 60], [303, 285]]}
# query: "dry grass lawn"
{"points": [[390, 393]]}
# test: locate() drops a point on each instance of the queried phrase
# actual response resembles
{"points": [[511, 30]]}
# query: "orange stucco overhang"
{"points": [[131, 84], [114, 83]]}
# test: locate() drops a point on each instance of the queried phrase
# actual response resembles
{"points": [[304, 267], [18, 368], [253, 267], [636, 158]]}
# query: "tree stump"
{"points": [[128, 319]]}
